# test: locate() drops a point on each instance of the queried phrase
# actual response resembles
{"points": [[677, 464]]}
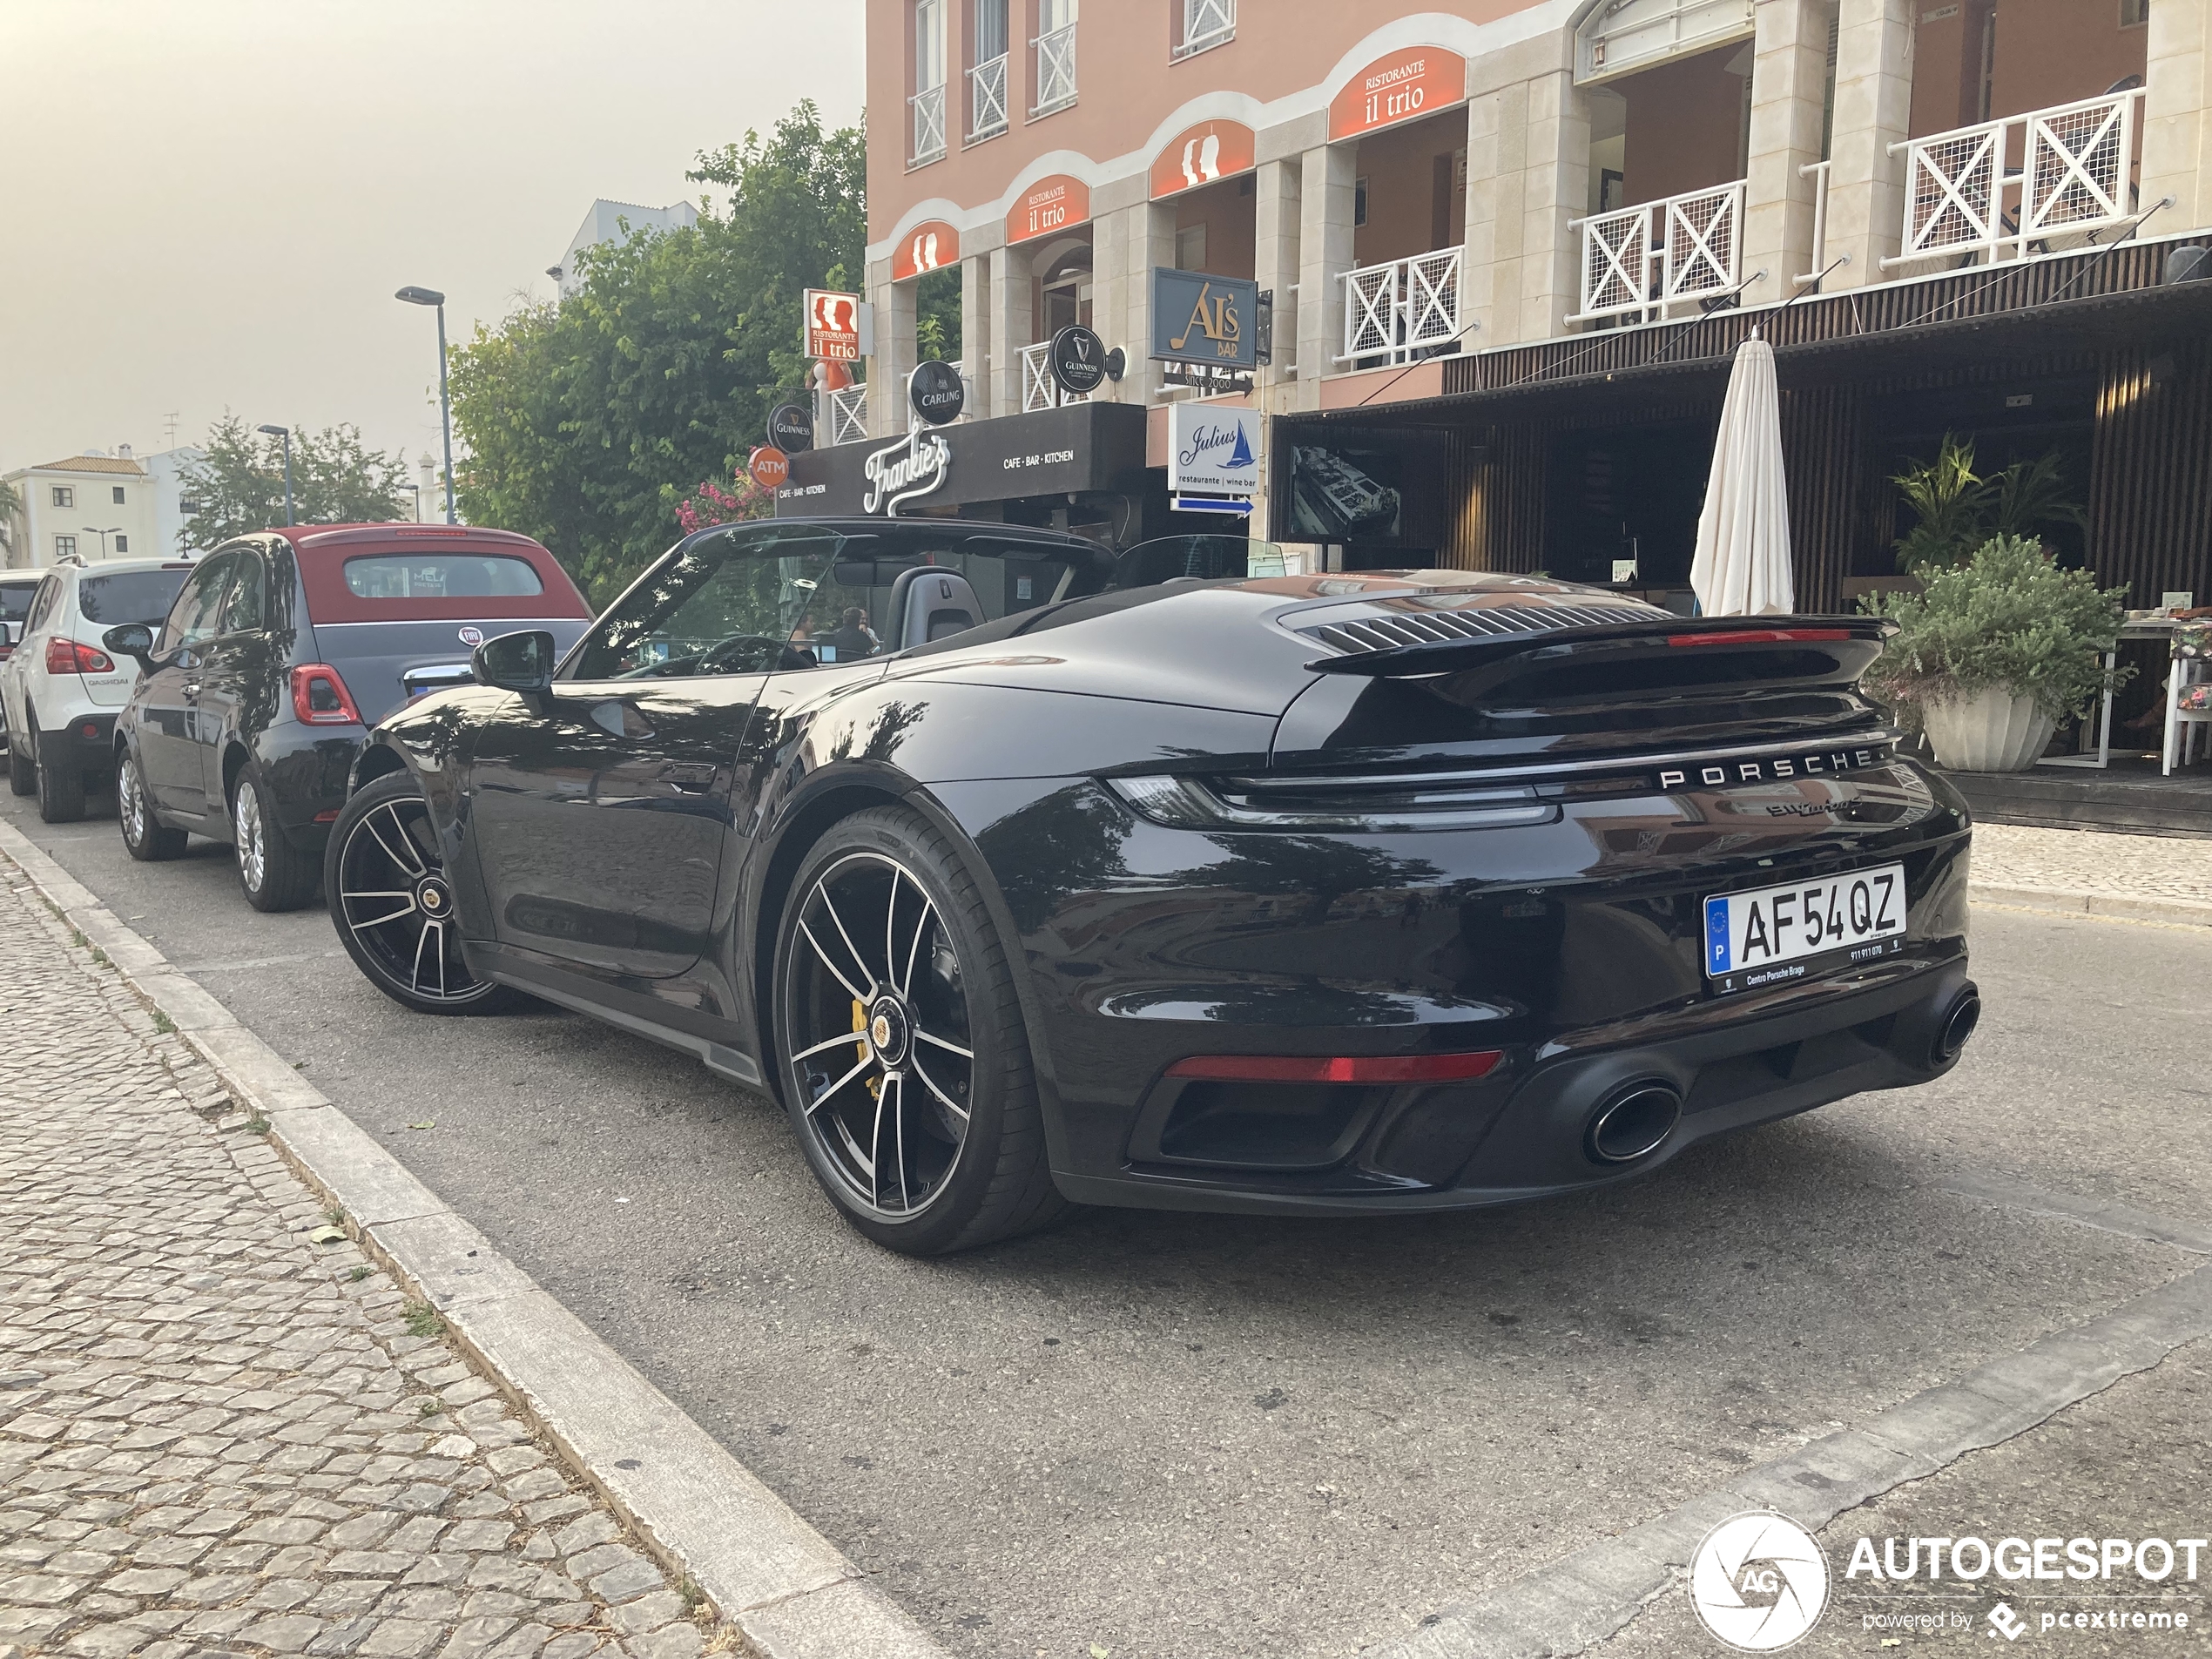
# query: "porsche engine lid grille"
{"points": [[1388, 630]]}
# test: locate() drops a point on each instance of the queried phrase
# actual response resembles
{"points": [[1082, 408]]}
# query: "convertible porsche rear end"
{"points": [[1531, 889]]}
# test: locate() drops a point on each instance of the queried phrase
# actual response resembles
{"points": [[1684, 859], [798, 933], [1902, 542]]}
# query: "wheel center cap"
{"points": [[889, 1032], [436, 902]]}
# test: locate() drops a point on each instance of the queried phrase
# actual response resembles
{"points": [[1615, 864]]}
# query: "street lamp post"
{"points": [[414, 296], [284, 432], [416, 490], [113, 529]]}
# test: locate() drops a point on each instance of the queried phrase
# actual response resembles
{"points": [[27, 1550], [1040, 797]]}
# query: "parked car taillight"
{"points": [[67, 656], [320, 697]]}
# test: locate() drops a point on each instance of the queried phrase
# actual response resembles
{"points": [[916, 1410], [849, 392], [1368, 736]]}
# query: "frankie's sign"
{"points": [[916, 466]]}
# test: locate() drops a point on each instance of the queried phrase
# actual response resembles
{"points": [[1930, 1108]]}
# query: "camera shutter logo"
{"points": [[1759, 1581]]}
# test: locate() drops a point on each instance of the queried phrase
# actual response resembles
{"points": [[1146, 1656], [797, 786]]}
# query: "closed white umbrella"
{"points": [[1741, 568]]}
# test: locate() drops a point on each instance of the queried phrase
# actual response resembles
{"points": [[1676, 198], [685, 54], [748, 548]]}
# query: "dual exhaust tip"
{"points": [[1636, 1119]]}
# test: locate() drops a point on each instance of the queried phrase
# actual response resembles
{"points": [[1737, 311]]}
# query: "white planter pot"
{"points": [[1992, 731]]}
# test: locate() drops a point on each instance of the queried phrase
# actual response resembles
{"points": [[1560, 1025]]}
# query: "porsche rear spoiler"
{"points": [[1616, 641]]}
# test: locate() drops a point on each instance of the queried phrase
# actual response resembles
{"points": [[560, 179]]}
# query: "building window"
{"points": [[1056, 56], [2133, 12], [1359, 203], [986, 81], [118, 495], [1206, 24], [928, 100], [122, 542], [65, 496], [64, 546]]}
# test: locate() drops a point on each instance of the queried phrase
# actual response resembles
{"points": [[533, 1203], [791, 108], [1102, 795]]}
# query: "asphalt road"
{"points": [[1181, 1435]]}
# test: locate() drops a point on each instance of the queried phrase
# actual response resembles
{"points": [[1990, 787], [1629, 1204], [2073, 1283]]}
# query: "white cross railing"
{"points": [[848, 414], [1965, 199], [1056, 69], [1206, 23], [1038, 390], [1401, 311], [1675, 251], [987, 98], [929, 125]]}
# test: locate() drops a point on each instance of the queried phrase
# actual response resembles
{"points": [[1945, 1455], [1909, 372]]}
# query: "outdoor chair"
{"points": [[2188, 693]]}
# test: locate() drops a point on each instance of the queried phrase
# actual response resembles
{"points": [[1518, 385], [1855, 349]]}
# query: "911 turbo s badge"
{"points": [[1819, 765]]}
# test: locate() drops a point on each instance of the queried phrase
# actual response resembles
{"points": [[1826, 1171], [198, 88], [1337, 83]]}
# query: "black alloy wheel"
{"points": [[392, 908], [906, 1069], [145, 837]]}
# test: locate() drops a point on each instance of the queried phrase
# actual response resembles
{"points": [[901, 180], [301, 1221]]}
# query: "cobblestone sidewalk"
{"points": [[2132, 866], [223, 1432]]}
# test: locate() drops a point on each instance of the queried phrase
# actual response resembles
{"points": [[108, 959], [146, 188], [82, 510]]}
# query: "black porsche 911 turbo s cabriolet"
{"points": [[1024, 874]]}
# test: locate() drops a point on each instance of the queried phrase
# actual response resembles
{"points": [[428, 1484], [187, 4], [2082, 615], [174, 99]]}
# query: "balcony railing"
{"points": [[1206, 23], [848, 414], [1056, 69], [987, 98], [1642, 261], [1964, 200], [928, 126], [1402, 311], [1038, 390]]}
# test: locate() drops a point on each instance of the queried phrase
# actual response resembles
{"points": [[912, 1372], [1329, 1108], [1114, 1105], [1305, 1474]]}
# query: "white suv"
{"points": [[61, 688]]}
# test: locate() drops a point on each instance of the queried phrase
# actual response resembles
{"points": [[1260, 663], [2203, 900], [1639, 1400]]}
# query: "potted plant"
{"points": [[1993, 653]]}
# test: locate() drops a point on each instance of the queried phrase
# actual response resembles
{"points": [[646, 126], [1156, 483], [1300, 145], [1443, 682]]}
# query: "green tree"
{"points": [[589, 422], [238, 483], [11, 510]]}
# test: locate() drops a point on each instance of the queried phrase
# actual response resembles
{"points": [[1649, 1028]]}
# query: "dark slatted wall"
{"points": [[1823, 453], [2150, 506]]}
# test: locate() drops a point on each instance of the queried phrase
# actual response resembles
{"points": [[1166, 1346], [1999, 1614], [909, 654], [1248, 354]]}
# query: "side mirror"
{"points": [[132, 639], [522, 662]]}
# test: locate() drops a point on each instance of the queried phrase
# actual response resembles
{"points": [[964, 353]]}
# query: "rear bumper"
{"points": [[1572, 949], [87, 739], [306, 768]]}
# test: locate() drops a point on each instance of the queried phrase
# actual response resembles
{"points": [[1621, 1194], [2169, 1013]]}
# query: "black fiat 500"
{"points": [[255, 693], [1021, 874]]}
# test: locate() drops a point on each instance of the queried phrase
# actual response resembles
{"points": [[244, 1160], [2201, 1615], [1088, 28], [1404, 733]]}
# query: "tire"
{"points": [[61, 780], [926, 1057], [22, 770], [274, 873], [376, 870], [145, 837]]}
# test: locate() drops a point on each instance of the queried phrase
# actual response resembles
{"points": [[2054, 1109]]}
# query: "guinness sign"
{"points": [[935, 393], [1078, 360], [791, 427]]}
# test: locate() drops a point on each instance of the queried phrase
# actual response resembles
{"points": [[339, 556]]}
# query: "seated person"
{"points": [[854, 638]]}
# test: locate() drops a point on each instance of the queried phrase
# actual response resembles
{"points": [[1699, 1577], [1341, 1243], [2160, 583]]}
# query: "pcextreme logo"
{"points": [[1759, 1581]]}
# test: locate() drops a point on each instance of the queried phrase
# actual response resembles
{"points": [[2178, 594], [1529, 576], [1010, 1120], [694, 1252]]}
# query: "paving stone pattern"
{"points": [[2131, 866], [222, 1430]]}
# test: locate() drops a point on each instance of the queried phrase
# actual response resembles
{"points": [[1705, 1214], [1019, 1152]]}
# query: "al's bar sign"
{"points": [[1201, 319], [1417, 81]]}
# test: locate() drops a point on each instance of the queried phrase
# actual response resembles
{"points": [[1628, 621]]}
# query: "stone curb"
{"points": [[2190, 913], [786, 1589]]}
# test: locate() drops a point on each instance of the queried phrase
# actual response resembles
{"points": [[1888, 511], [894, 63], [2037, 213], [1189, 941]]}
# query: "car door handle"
{"points": [[192, 688], [693, 778]]}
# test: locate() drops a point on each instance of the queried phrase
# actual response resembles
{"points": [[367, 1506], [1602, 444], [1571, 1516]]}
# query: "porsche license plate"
{"points": [[1770, 935]]}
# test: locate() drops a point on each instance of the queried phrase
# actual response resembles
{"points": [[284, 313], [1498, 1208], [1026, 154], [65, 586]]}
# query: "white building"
{"points": [[165, 473], [617, 222], [93, 506]]}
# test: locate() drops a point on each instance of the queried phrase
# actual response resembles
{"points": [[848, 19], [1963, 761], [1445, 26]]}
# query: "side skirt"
{"points": [[494, 964]]}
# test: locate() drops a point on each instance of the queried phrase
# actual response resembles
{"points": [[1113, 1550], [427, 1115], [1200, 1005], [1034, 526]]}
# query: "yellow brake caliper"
{"points": [[860, 1027]]}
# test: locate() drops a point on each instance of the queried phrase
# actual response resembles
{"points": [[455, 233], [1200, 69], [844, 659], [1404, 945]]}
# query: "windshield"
{"points": [[130, 596], [15, 600], [1207, 558], [792, 596]]}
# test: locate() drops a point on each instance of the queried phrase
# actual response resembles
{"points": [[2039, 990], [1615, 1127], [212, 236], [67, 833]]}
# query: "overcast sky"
{"points": [[208, 202]]}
